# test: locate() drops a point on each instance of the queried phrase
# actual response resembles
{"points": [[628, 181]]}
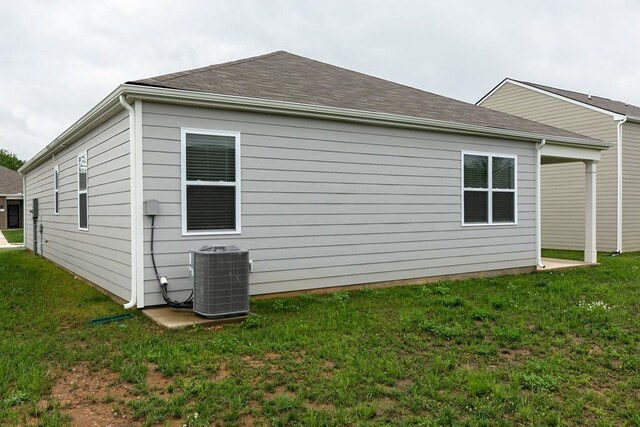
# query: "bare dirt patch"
{"points": [[247, 420], [516, 354], [404, 383], [156, 380], [93, 398], [327, 368], [327, 407], [254, 363], [596, 350], [222, 372]]}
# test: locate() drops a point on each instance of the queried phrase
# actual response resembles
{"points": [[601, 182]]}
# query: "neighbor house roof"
{"points": [[287, 77], [610, 105], [10, 182], [596, 101]]}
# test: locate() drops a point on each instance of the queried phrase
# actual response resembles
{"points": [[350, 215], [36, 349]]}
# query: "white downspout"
{"points": [[619, 187], [538, 204], [134, 225]]}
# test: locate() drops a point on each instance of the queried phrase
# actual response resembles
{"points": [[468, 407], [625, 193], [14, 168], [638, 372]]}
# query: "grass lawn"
{"points": [[557, 348], [14, 235]]}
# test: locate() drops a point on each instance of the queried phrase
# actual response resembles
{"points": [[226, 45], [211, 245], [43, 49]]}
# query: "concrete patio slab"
{"points": [[560, 264], [179, 318]]}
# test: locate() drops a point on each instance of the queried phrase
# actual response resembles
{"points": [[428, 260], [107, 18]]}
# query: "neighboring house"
{"points": [[11, 204], [618, 193], [327, 176]]}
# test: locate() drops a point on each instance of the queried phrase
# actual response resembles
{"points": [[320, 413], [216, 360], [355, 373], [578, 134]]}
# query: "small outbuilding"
{"points": [[563, 189], [328, 177], [11, 203]]}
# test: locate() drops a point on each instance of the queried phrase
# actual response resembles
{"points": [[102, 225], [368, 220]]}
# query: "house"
{"points": [[11, 210], [618, 192], [329, 177]]}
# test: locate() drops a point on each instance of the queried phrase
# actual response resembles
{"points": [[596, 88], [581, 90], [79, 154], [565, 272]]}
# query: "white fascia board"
{"points": [[615, 116], [574, 153], [176, 96]]}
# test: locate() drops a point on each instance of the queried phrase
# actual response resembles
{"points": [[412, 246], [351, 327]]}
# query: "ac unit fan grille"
{"points": [[221, 283]]}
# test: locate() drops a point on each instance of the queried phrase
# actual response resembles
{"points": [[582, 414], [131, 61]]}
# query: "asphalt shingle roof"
{"points": [[10, 181], [283, 76], [596, 101]]}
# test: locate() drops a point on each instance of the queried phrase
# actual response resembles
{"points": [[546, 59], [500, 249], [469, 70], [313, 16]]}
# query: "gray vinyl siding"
{"points": [[631, 186], [103, 253], [562, 185], [329, 204]]}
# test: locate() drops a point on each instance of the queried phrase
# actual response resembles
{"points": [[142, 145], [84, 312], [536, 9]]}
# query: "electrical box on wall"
{"points": [[34, 210], [151, 207]]}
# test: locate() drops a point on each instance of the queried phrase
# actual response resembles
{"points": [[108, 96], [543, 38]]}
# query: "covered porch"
{"points": [[553, 153]]}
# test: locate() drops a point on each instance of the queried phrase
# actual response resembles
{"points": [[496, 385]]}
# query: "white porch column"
{"points": [[590, 252]]}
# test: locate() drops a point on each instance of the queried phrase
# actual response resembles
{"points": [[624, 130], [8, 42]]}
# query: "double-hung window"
{"points": [[83, 208], [210, 182], [489, 187], [56, 190]]}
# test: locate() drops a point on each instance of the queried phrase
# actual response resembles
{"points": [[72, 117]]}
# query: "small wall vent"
{"points": [[220, 281]]}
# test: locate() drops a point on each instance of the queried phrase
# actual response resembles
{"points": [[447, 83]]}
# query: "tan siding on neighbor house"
{"points": [[563, 184], [103, 253], [631, 186], [329, 204]]}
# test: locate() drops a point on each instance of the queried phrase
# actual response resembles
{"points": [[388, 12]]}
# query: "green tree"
{"points": [[10, 160]]}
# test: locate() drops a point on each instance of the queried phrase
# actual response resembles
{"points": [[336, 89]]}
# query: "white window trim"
{"points": [[85, 191], [56, 190], [183, 180], [490, 189]]}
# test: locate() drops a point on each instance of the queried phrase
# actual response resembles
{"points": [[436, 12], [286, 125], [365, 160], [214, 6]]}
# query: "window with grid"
{"points": [[489, 182], [211, 182]]}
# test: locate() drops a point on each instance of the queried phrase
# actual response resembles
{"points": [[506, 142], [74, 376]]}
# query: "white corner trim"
{"points": [[132, 198], [24, 211], [538, 201], [616, 116], [138, 208], [619, 185]]}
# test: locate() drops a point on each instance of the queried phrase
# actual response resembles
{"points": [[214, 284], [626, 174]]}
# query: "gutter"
{"points": [[175, 96], [538, 204], [619, 186]]}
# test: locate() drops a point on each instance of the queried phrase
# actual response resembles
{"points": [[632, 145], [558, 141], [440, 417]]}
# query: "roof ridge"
{"points": [[166, 77]]}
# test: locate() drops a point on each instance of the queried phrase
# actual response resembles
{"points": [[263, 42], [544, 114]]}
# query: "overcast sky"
{"points": [[59, 58]]}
